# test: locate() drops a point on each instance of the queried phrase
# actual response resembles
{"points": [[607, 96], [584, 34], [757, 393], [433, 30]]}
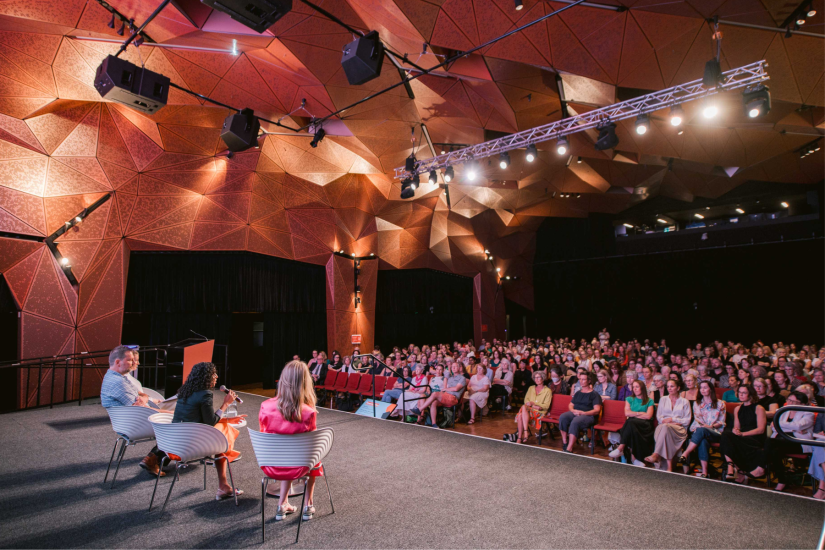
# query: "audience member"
{"points": [[604, 386], [817, 467], [673, 414], [767, 397], [637, 433], [709, 415], [730, 396], [478, 391], [448, 397], [536, 403], [743, 447], [502, 384], [799, 424], [583, 410]]}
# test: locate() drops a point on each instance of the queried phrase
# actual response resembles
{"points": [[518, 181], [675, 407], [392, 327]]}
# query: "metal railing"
{"points": [[810, 442], [404, 383]]}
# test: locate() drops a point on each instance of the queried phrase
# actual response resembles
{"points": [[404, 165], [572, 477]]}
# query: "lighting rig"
{"points": [[72, 224], [603, 119], [357, 270]]}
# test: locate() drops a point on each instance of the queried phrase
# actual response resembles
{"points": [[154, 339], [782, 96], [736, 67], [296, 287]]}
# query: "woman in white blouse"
{"points": [[479, 391], [797, 423], [708, 422], [673, 415]]}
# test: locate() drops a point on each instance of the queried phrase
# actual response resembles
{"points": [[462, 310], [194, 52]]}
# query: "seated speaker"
{"points": [[363, 58], [240, 131], [258, 15], [136, 87]]}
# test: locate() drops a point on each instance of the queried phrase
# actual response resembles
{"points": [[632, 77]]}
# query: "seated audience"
{"points": [[478, 391], [636, 435], [119, 390], [502, 384], [413, 395], [658, 391], [582, 412], [401, 384], [709, 415], [743, 447], [767, 397], [292, 411], [730, 396], [195, 405], [319, 368], [522, 379], [604, 386], [673, 414], [448, 397], [536, 403], [817, 467], [800, 425], [627, 390]]}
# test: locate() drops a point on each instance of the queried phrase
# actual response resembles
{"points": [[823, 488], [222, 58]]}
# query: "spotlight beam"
{"points": [[740, 77]]}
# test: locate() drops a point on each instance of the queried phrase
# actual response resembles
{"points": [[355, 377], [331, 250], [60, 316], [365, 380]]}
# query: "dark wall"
{"points": [[221, 295], [8, 346], [770, 292], [422, 306]]}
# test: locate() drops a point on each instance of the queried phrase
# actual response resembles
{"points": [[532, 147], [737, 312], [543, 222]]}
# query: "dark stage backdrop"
{"points": [[9, 323], [767, 292], [222, 295], [422, 306]]}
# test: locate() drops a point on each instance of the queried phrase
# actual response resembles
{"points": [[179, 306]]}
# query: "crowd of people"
{"points": [[674, 402]]}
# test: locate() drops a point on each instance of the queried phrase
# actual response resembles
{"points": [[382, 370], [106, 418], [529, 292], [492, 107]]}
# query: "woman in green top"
{"points": [[637, 432]]}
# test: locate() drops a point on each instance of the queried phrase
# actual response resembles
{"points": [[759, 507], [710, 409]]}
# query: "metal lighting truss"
{"points": [[741, 77]]}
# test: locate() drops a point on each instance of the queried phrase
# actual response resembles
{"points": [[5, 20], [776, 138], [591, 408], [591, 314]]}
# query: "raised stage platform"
{"points": [[394, 485]]}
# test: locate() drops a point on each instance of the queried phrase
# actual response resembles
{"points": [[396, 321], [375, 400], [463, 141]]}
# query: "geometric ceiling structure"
{"points": [[173, 186]]}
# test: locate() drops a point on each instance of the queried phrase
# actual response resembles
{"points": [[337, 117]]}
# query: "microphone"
{"points": [[196, 334], [226, 390]]}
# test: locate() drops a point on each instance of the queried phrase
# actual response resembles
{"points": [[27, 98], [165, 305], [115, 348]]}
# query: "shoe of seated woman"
{"points": [[616, 453], [283, 512], [309, 511], [223, 496]]}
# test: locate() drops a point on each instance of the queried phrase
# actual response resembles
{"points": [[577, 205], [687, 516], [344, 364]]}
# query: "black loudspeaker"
{"points": [[363, 58], [123, 82], [240, 131], [258, 15]]}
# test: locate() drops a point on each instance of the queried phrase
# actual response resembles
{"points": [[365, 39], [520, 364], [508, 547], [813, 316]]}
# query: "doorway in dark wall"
{"points": [[9, 324]]}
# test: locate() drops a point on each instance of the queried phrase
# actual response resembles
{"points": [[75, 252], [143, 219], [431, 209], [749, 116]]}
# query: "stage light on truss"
{"points": [[486, 251], [504, 160], [407, 189], [519, 5], [811, 11], [122, 30], [498, 270], [449, 174], [757, 102], [472, 170], [64, 261], [433, 178], [710, 109], [677, 115], [607, 137], [561, 146], [111, 24], [642, 124], [713, 74], [532, 152], [801, 20], [318, 137]]}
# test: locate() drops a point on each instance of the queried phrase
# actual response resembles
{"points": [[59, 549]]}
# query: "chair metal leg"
{"points": [[111, 459], [203, 463], [172, 486], [328, 491], [301, 512], [264, 483], [163, 462], [119, 460], [231, 481]]}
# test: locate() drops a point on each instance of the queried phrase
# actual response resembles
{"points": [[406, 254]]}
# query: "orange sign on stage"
{"points": [[356, 338], [195, 354]]}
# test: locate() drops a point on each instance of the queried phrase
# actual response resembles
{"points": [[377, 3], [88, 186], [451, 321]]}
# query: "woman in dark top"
{"points": [[768, 402], [556, 383], [744, 446], [336, 362], [583, 410], [522, 379], [195, 405]]}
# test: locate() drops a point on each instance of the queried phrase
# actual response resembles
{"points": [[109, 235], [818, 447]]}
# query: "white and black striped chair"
{"points": [[131, 424], [185, 443], [291, 451]]}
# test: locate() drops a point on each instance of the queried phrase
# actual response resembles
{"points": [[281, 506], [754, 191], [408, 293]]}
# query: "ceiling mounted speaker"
{"points": [[363, 58], [258, 15], [122, 82], [240, 131]]}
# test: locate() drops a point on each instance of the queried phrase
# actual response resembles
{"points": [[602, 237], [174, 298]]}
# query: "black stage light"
{"points": [[409, 164], [713, 74], [519, 5], [449, 174], [757, 102], [607, 137], [258, 15], [136, 87], [562, 145], [363, 59], [407, 188], [433, 179], [240, 131], [642, 124], [532, 153], [319, 135], [122, 30], [504, 160], [111, 24]]}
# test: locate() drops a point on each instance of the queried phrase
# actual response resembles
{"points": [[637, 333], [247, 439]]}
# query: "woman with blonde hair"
{"points": [[292, 411]]}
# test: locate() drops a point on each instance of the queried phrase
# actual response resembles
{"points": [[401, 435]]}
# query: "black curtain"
{"points": [[422, 306], [168, 295], [768, 292], [8, 347], [519, 320]]}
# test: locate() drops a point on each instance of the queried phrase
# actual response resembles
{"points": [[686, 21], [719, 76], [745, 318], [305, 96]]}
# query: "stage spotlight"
{"points": [[64, 261], [579, 160], [139, 41], [409, 164], [757, 102], [498, 270], [800, 20], [122, 30], [660, 220], [111, 24], [811, 11], [677, 115], [532, 153], [607, 137], [680, 131], [78, 219], [710, 110], [372, 254], [628, 225], [740, 211], [433, 179], [472, 170], [319, 136], [519, 5], [407, 189], [642, 124], [713, 74], [700, 216], [784, 205], [486, 251], [449, 174], [504, 160], [561, 146]]}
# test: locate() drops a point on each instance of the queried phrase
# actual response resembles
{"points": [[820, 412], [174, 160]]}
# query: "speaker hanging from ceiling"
{"points": [[136, 87], [363, 58], [240, 131], [258, 15]]}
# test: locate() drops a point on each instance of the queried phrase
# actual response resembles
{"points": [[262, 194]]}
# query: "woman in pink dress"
{"points": [[292, 411]]}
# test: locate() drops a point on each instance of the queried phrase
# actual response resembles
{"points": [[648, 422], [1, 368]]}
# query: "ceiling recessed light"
{"points": [[784, 205], [660, 220], [700, 216], [740, 211], [628, 225]]}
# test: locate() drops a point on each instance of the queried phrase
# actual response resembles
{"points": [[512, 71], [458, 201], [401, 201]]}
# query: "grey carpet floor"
{"points": [[394, 485]]}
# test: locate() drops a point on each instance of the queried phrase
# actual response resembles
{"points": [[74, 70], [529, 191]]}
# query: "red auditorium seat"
{"points": [[353, 382], [391, 380], [612, 420], [365, 387], [558, 406], [380, 384], [720, 392]]}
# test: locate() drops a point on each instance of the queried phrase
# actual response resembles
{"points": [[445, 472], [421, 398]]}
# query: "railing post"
{"points": [[80, 389], [66, 381], [39, 380], [51, 388]]}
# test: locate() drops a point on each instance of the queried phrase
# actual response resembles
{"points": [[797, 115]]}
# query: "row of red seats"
{"points": [[356, 383]]}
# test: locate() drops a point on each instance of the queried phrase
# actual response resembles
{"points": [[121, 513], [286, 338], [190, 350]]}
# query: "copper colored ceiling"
{"points": [[61, 148]]}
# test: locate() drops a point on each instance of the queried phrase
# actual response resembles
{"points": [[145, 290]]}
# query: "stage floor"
{"points": [[394, 485]]}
